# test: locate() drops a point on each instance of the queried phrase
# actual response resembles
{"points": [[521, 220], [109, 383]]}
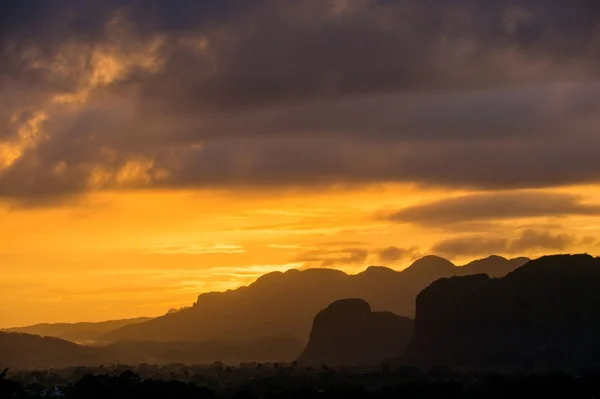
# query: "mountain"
{"points": [[284, 304], [84, 333], [545, 313], [26, 351], [347, 332]]}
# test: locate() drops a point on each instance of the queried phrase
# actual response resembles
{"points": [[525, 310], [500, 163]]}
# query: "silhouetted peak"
{"points": [[492, 259], [274, 278], [551, 265], [208, 296], [347, 332], [430, 264], [292, 271], [324, 272], [268, 278], [495, 257], [377, 271]]}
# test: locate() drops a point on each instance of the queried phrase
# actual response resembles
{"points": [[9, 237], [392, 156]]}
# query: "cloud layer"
{"points": [[130, 94], [528, 241], [494, 206]]}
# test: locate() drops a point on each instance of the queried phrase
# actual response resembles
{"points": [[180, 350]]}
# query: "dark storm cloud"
{"points": [[305, 50], [494, 206], [59, 20], [263, 93], [528, 241], [284, 51]]}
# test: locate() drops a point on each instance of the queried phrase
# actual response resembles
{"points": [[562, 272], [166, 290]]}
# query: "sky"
{"points": [[151, 150]]}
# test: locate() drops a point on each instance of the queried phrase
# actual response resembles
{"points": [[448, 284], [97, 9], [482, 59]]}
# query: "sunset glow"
{"points": [[144, 161]]}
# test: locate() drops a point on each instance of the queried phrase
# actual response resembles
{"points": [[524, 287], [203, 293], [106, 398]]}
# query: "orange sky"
{"points": [[149, 154], [117, 255]]}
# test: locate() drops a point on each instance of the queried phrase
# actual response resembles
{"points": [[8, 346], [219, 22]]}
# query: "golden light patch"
{"points": [[105, 63], [109, 63], [134, 172], [29, 135]]}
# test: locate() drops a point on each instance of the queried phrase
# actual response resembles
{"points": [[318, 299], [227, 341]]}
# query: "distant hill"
{"points": [[284, 304], [84, 333], [545, 313], [26, 351], [347, 332], [272, 349]]}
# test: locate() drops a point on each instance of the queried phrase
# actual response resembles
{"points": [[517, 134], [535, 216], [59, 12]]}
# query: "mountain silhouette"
{"points": [[84, 333], [26, 351], [284, 304], [347, 332], [545, 313]]}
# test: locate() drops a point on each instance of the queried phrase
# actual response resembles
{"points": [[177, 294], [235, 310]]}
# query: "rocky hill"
{"points": [[26, 351], [84, 333], [544, 313], [347, 332]]}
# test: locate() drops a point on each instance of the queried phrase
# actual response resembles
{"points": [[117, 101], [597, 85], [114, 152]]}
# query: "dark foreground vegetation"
{"points": [[276, 381]]}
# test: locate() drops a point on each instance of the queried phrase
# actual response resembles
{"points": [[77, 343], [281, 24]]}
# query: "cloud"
{"points": [[336, 254], [589, 240], [494, 206], [329, 258], [527, 242], [145, 94], [393, 254], [197, 249], [267, 50], [532, 240]]}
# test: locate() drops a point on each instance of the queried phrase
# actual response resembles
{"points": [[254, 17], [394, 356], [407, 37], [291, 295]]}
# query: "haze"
{"points": [[152, 150]]}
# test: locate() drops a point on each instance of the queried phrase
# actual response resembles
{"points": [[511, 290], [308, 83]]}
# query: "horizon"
{"points": [[227, 289], [303, 269], [152, 151]]}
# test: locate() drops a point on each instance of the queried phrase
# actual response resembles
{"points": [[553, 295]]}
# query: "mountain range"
{"points": [[284, 304], [26, 351], [541, 314], [83, 333]]}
